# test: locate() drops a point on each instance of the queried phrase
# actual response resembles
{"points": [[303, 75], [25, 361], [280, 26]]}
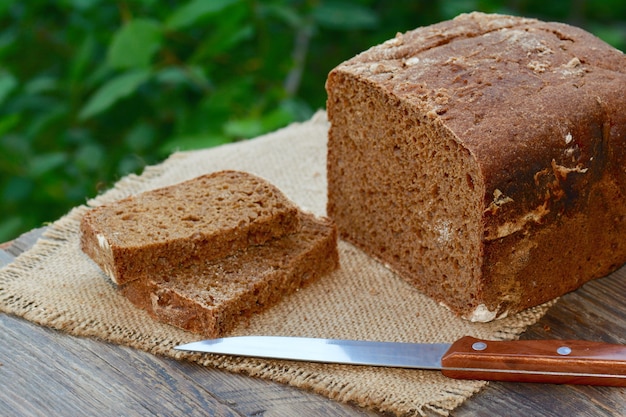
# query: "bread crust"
{"points": [[509, 134]]}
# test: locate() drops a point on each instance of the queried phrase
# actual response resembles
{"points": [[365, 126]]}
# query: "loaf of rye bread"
{"points": [[204, 218], [210, 297], [483, 159]]}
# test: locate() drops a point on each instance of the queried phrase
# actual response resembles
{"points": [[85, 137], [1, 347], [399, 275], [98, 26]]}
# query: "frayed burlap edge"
{"points": [[55, 285]]}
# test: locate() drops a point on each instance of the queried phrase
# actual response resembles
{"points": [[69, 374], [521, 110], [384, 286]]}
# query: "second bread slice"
{"points": [[211, 297]]}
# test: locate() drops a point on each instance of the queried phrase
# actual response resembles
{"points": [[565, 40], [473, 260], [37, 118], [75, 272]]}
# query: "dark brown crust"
{"points": [[204, 218], [211, 298], [539, 108]]}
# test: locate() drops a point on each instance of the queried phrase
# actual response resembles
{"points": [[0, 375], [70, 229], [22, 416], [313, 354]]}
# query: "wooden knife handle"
{"points": [[543, 361]]}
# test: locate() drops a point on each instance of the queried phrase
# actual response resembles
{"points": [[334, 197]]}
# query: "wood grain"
{"points": [[48, 373], [44, 372]]}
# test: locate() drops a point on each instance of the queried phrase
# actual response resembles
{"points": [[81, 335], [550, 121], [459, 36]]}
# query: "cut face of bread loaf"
{"points": [[211, 296], [205, 218], [483, 159]]}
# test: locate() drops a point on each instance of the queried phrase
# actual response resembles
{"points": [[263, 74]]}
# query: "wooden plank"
{"points": [[24, 242], [50, 373], [53, 376], [5, 258]]}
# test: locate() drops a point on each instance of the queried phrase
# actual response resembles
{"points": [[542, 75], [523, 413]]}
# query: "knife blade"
{"points": [[542, 361]]}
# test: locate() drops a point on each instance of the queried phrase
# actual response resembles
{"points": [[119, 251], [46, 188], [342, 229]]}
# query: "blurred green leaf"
{"points": [[223, 39], [283, 12], [44, 122], [8, 83], [42, 164], [17, 189], [243, 128], [195, 10], [277, 118], [192, 75], [186, 143], [8, 122], [129, 163], [172, 75], [5, 5], [135, 44], [119, 87], [89, 157], [82, 58], [226, 33], [344, 16], [82, 4], [15, 152], [41, 84], [141, 137], [8, 40], [98, 76]]}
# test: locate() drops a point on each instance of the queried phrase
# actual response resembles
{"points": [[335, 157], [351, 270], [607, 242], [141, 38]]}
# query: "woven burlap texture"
{"points": [[56, 285]]}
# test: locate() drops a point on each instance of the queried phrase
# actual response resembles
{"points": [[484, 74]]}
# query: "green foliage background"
{"points": [[91, 90]]}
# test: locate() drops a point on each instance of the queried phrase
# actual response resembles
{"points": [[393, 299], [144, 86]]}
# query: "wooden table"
{"points": [[47, 373]]}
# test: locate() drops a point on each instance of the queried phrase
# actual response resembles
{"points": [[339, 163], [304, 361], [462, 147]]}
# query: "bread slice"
{"points": [[201, 219], [483, 159], [210, 297]]}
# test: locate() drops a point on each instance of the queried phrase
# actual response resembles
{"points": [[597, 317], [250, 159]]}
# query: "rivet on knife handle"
{"points": [[543, 361]]}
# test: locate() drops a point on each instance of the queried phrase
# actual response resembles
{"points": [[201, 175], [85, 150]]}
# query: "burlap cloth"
{"points": [[56, 285]]}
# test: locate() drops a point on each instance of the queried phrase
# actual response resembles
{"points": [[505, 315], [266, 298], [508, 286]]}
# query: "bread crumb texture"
{"points": [[483, 159]]}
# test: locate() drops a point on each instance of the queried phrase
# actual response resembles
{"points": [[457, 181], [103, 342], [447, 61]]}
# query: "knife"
{"points": [[543, 361]]}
